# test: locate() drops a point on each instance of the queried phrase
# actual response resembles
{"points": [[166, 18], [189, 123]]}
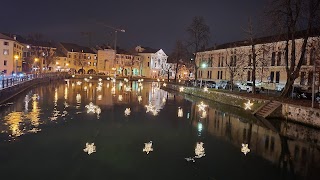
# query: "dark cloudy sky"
{"points": [[154, 23]]}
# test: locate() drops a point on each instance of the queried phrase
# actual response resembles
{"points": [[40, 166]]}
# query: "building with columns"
{"points": [[234, 60]]}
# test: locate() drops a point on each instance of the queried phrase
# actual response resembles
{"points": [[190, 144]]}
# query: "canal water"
{"points": [[47, 133]]}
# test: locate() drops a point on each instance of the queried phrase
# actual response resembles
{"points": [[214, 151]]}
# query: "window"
{"points": [[69, 55], [277, 76], [250, 60], [304, 60], [310, 78], [312, 56], [4, 71], [303, 78], [219, 62], [208, 74], [6, 43], [222, 61], [279, 59], [218, 76], [271, 76], [273, 59], [6, 52], [5, 62], [148, 64]]}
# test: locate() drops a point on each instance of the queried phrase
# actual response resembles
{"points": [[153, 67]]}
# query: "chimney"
{"points": [[14, 37]]}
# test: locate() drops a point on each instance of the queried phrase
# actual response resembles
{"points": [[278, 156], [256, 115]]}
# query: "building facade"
{"points": [[11, 52], [234, 61]]}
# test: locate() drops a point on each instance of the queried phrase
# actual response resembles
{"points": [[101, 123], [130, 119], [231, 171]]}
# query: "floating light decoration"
{"points": [[199, 150], [127, 112], [100, 83], [245, 149], [180, 112], [163, 80], [79, 83], [181, 89], [90, 148], [205, 89], [120, 98], [248, 105], [202, 106], [147, 147], [99, 88], [164, 85], [139, 99]]}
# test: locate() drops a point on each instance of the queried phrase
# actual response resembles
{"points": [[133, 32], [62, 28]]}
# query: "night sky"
{"points": [[156, 24]]}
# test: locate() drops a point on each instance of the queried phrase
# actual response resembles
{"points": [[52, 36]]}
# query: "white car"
{"points": [[247, 87]]}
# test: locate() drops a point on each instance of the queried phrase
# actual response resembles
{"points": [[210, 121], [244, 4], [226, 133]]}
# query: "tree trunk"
{"points": [[287, 88], [175, 77], [253, 69]]}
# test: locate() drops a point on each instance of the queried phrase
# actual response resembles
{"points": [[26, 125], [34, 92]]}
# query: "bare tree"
{"points": [[253, 55], [179, 56], [290, 17], [199, 35]]}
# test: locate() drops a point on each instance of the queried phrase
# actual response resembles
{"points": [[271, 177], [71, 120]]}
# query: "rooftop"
{"points": [[71, 47]]}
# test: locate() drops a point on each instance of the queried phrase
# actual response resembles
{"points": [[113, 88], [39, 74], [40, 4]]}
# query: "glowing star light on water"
{"points": [[199, 150], [120, 98], [99, 88], [90, 148], [100, 83], [100, 79], [79, 83], [248, 105], [139, 98], [181, 89], [245, 149], [180, 112], [202, 106], [164, 100], [128, 89], [127, 112], [164, 85], [147, 147], [205, 89]]}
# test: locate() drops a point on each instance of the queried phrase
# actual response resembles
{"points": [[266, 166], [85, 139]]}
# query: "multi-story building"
{"points": [[154, 62], [74, 58], [11, 52], [234, 61]]}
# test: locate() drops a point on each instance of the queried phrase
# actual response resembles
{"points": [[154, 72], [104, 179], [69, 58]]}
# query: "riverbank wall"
{"points": [[8, 93], [300, 114]]}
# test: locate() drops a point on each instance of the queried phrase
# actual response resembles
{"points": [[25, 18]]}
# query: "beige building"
{"points": [[76, 59], [11, 52], [235, 59], [154, 63]]}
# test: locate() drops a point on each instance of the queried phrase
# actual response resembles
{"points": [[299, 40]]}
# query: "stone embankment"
{"points": [[305, 115], [9, 92]]}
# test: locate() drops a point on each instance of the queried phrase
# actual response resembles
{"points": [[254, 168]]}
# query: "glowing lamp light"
{"points": [[158, 80], [203, 65], [90, 77], [245, 149], [100, 79], [100, 83], [108, 78], [248, 105], [163, 80], [73, 75], [147, 147]]}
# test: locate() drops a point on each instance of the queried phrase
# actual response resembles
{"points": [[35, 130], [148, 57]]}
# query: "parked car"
{"points": [[300, 93], [247, 87], [211, 84], [188, 83], [223, 85]]}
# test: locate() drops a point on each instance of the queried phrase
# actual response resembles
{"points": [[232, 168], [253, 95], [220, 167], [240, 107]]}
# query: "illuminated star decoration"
{"points": [[245, 149], [181, 89], [180, 112], [164, 85], [151, 108], [91, 108], [120, 98], [79, 83], [127, 112], [248, 105], [202, 106], [90, 148], [147, 147], [100, 83], [199, 152], [139, 98], [205, 89], [99, 88]]}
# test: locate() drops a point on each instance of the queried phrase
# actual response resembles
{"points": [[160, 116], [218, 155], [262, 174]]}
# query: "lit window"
{"points": [[6, 52]]}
